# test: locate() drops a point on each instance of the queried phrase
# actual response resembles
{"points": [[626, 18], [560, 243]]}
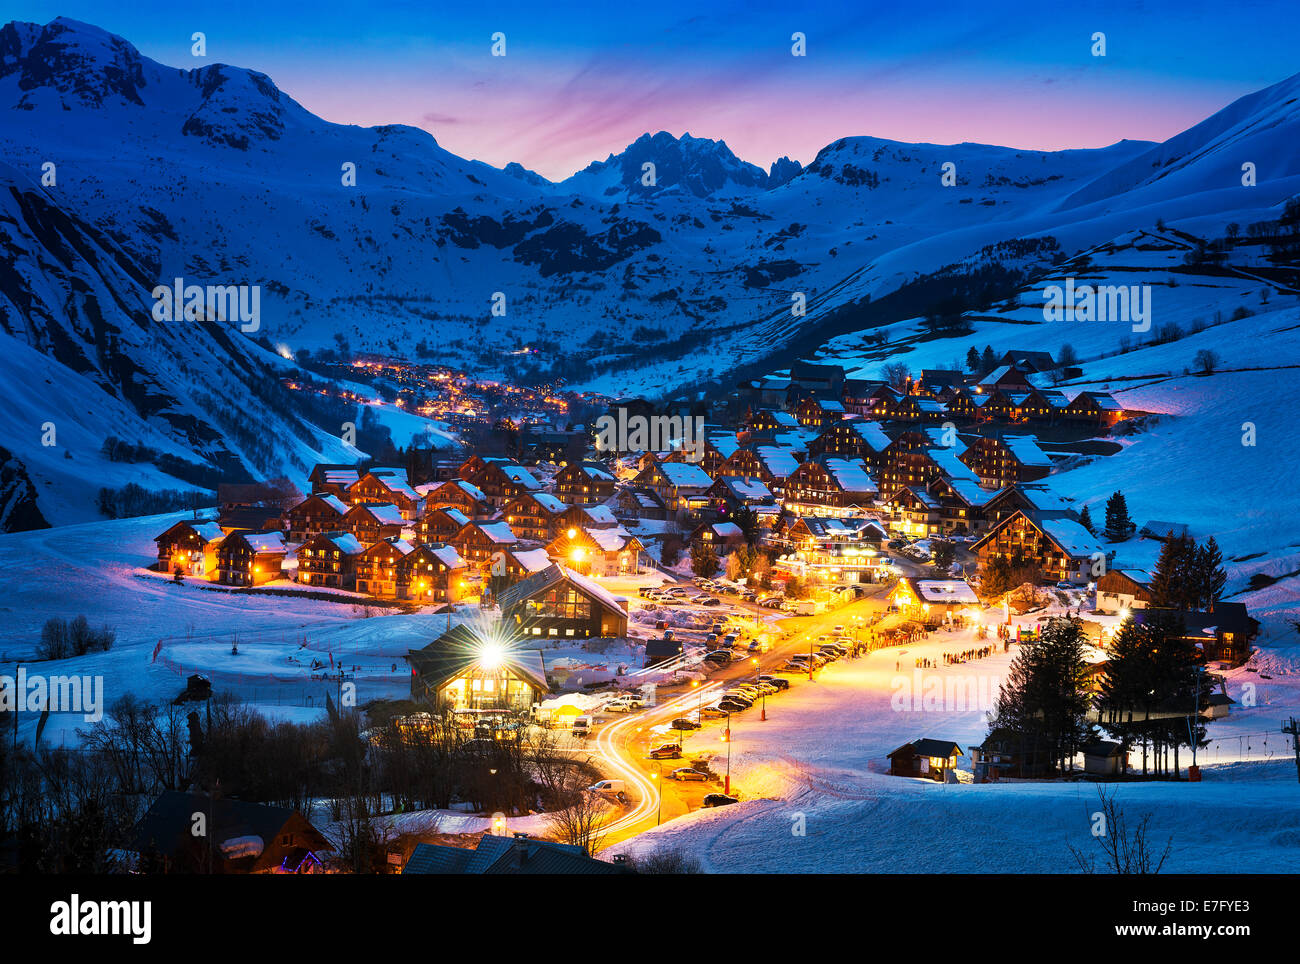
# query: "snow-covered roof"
{"points": [[499, 532], [993, 376], [745, 487], [448, 556], [549, 502], [872, 434], [950, 464], [1025, 449], [946, 591], [531, 560], [452, 513], [335, 503], [609, 540], [384, 512], [208, 531], [264, 541], [779, 461], [1072, 537], [727, 530], [971, 491], [346, 543], [520, 476], [685, 475], [851, 476]]}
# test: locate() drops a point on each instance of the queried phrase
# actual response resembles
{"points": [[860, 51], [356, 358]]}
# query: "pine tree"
{"points": [[704, 560], [1043, 696], [747, 519], [973, 359], [988, 360], [1118, 524], [1085, 520], [1170, 580], [1209, 575]]}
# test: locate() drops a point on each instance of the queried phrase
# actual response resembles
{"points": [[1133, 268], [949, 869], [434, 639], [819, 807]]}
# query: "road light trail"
{"points": [[611, 740]]}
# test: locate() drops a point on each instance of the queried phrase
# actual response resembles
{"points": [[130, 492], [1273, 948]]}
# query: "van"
{"points": [[608, 786], [581, 725]]}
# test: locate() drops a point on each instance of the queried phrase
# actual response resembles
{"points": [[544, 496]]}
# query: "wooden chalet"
{"points": [[962, 505], [377, 567], [636, 502], [431, 574], [477, 542], [819, 413], [374, 522], [329, 560], [561, 603], [1008, 753], [319, 512], [250, 558], [1224, 633], [1011, 458], [674, 482], [1124, 589], [927, 758], [333, 479], [241, 837], [1060, 548], [914, 512], [534, 516], [851, 439], [459, 494], [724, 537], [607, 551], [440, 524], [1032, 406], [514, 563], [500, 480], [915, 408], [959, 406], [1005, 378], [1034, 499], [190, 548], [831, 487], [462, 672], [1098, 408], [385, 487], [766, 421], [584, 483]]}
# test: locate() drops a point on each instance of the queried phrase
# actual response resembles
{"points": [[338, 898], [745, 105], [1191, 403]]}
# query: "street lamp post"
{"points": [[762, 712], [726, 738], [659, 807]]}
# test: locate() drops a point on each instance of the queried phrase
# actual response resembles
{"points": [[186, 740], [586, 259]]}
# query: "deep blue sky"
{"points": [[581, 81]]}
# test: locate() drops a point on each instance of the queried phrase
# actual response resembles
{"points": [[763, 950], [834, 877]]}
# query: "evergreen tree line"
{"points": [[1151, 694], [1187, 575]]}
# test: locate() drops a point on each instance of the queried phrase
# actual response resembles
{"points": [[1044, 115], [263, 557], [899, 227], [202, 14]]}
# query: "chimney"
{"points": [[520, 848]]}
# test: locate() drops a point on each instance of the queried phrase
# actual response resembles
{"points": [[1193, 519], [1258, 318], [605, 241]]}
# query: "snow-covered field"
{"points": [[818, 765]]}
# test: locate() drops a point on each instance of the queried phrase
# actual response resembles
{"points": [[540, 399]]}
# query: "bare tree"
{"points": [[581, 822], [1125, 849]]}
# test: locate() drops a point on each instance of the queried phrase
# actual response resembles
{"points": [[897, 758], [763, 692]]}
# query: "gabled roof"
{"points": [[385, 513], [272, 542], [849, 475], [168, 824], [459, 648], [928, 747], [1025, 449], [551, 576], [685, 475], [505, 855]]}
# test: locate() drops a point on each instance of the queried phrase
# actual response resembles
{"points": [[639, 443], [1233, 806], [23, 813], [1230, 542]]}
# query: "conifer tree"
{"points": [[1118, 524], [1085, 520], [988, 361], [973, 359], [1209, 576]]}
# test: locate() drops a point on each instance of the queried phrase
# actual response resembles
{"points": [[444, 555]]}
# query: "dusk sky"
{"points": [[577, 84]]}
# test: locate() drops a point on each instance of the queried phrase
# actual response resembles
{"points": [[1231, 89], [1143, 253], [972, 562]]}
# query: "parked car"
{"points": [[710, 601], [686, 773], [718, 656], [719, 800], [713, 711], [666, 751], [779, 682], [681, 723]]}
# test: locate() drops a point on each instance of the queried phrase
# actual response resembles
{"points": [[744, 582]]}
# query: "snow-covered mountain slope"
{"points": [[216, 176], [82, 359]]}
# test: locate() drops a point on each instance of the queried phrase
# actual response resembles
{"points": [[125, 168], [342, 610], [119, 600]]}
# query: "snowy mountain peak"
{"points": [[83, 64], [697, 166]]}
